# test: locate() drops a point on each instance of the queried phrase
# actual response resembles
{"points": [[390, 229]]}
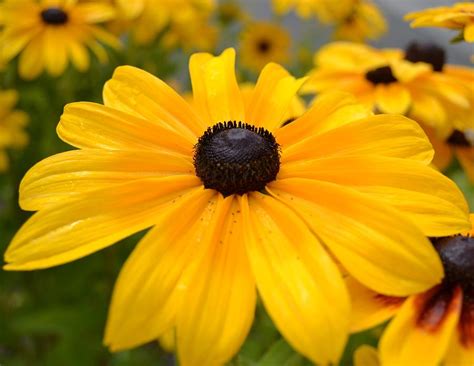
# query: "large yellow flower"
{"points": [[237, 203], [428, 328], [264, 42], [12, 123], [459, 16], [415, 82], [48, 33]]}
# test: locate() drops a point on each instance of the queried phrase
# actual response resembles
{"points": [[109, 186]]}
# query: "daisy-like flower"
{"points": [[148, 18], [12, 123], [49, 33], [237, 203], [364, 21], [264, 42], [415, 82], [459, 16], [430, 328]]}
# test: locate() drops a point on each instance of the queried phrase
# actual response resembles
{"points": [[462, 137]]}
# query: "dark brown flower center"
{"points": [[263, 46], [458, 138], [381, 75], [457, 256], [54, 16], [426, 52], [236, 158]]}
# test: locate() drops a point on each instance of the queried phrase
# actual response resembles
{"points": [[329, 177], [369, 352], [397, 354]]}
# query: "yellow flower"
{"points": [[459, 16], [12, 123], [264, 42], [432, 327], [184, 17], [367, 356], [47, 34], [236, 203], [415, 82], [364, 21]]}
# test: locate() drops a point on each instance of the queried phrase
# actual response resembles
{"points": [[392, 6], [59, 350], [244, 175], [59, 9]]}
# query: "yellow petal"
{"points": [[215, 89], [429, 110], [14, 40], [95, 220], [32, 60], [366, 356], [469, 33], [381, 135], [329, 111], [459, 352], [392, 98], [272, 96], [146, 295], [368, 307], [299, 283], [421, 331], [141, 94], [79, 55], [66, 175], [364, 235], [89, 125], [94, 12], [219, 293], [55, 52], [423, 195]]}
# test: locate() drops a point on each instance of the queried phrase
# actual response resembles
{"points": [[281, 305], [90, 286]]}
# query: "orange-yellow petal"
{"points": [[392, 98], [88, 125], [368, 307], [272, 96], [95, 220], [381, 135], [421, 331], [298, 281], [143, 95], [429, 199], [219, 294], [147, 286], [364, 235], [66, 175], [215, 90], [466, 159]]}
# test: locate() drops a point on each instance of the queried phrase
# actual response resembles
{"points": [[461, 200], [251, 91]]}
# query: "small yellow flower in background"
{"points": [[264, 42], [364, 21], [415, 82], [236, 203], [12, 123], [430, 328], [47, 34], [459, 16], [327, 11], [187, 21]]}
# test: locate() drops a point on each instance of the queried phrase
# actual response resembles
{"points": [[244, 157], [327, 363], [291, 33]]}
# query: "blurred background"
{"points": [[56, 316]]}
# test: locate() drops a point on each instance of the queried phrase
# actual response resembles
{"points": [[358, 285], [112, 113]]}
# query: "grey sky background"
{"points": [[399, 34]]}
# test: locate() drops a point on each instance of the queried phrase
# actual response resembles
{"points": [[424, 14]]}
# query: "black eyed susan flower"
{"points": [[430, 328], [47, 34], [416, 82], [237, 203], [12, 123], [364, 21], [459, 16], [264, 42]]}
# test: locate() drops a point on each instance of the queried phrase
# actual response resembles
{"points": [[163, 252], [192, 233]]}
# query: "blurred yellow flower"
{"points": [[264, 42], [236, 203], [327, 11], [415, 82], [432, 328], [49, 33], [187, 21], [12, 123], [364, 21], [459, 16]]}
